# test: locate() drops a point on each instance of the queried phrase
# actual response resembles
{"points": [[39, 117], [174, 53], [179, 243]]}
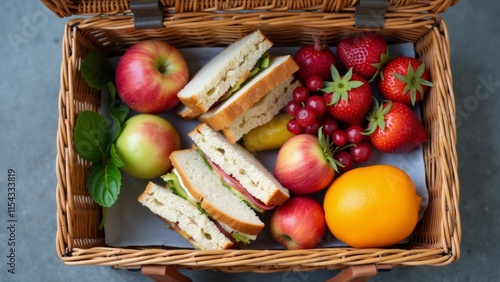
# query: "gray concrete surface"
{"points": [[29, 85]]}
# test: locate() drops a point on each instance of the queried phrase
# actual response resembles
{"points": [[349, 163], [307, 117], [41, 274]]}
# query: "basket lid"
{"points": [[66, 8]]}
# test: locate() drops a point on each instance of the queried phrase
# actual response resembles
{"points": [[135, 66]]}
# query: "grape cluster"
{"points": [[308, 109]]}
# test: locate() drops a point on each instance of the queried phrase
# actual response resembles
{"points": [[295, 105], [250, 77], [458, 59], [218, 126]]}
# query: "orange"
{"points": [[373, 206]]}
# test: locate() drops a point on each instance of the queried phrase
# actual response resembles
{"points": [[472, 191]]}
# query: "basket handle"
{"points": [[359, 273], [163, 273]]}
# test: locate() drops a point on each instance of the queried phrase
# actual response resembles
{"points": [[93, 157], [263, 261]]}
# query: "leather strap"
{"points": [[147, 13], [163, 273], [370, 13], [358, 273]]}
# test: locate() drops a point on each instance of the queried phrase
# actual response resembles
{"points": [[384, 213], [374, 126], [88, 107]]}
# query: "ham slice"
{"points": [[231, 181]]}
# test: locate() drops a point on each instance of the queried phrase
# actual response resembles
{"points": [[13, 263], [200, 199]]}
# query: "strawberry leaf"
{"points": [[413, 82], [376, 118], [384, 58], [340, 86], [326, 145]]}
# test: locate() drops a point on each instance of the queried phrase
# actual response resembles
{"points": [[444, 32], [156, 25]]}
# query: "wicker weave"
{"points": [[436, 240], [65, 8]]}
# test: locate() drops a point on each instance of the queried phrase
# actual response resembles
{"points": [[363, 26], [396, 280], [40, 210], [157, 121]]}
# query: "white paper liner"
{"points": [[131, 224]]}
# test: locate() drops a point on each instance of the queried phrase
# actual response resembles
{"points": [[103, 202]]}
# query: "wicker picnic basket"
{"points": [[109, 27]]}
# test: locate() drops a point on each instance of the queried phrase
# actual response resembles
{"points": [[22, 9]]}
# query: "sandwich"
{"points": [[237, 97], [193, 180], [239, 170], [261, 112], [225, 73], [279, 70], [184, 217]]}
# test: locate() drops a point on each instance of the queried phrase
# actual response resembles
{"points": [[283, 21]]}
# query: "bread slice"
{"points": [[216, 199], [182, 216], [240, 164], [262, 112], [222, 72], [279, 69], [186, 112]]}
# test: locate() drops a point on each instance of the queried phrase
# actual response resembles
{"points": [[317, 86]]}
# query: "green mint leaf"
{"points": [[112, 91], [114, 158], [119, 111], [114, 128], [96, 70], [103, 183], [91, 136]]}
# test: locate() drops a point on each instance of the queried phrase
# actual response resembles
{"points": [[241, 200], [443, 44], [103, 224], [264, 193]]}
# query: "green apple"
{"points": [[145, 144]]}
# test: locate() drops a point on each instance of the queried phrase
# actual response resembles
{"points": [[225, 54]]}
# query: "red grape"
{"points": [[316, 103], [329, 126], [294, 127], [339, 138], [361, 152], [354, 134], [300, 94], [313, 128], [314, 83], [306, 116], [293, 107], [345, 159]]}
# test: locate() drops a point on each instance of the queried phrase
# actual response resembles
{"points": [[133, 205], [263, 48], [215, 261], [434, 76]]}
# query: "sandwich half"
{"points": [[279, 70], [184, 217], [262, 112], [246, 176], [223, 72], [196, 181]]}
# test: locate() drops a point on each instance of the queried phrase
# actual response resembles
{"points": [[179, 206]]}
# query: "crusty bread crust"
{"points": [[242, 225], [186, 112], [235, 223], [225, 113]]}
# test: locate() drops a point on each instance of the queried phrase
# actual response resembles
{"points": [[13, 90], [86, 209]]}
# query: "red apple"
{"points": [[299, 223], [145, 144], [303, 165], [149, 75]]}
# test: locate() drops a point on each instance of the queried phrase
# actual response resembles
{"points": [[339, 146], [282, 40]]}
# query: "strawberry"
{"points": [[314, 59], [365, 54], [404, 79], [394, 128], [348, 97]]}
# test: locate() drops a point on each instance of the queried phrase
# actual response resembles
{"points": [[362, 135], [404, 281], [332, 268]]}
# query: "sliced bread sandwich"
{"points": [[280, 69], [239, 169], [223, 72], [184, 217], [203, 186], [262, 112]]}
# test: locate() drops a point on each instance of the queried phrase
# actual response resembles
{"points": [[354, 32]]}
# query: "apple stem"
{"points": [[162, 69], [317, 43]]}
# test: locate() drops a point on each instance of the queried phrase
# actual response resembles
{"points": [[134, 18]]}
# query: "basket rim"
{"points": [[68, 8]]}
